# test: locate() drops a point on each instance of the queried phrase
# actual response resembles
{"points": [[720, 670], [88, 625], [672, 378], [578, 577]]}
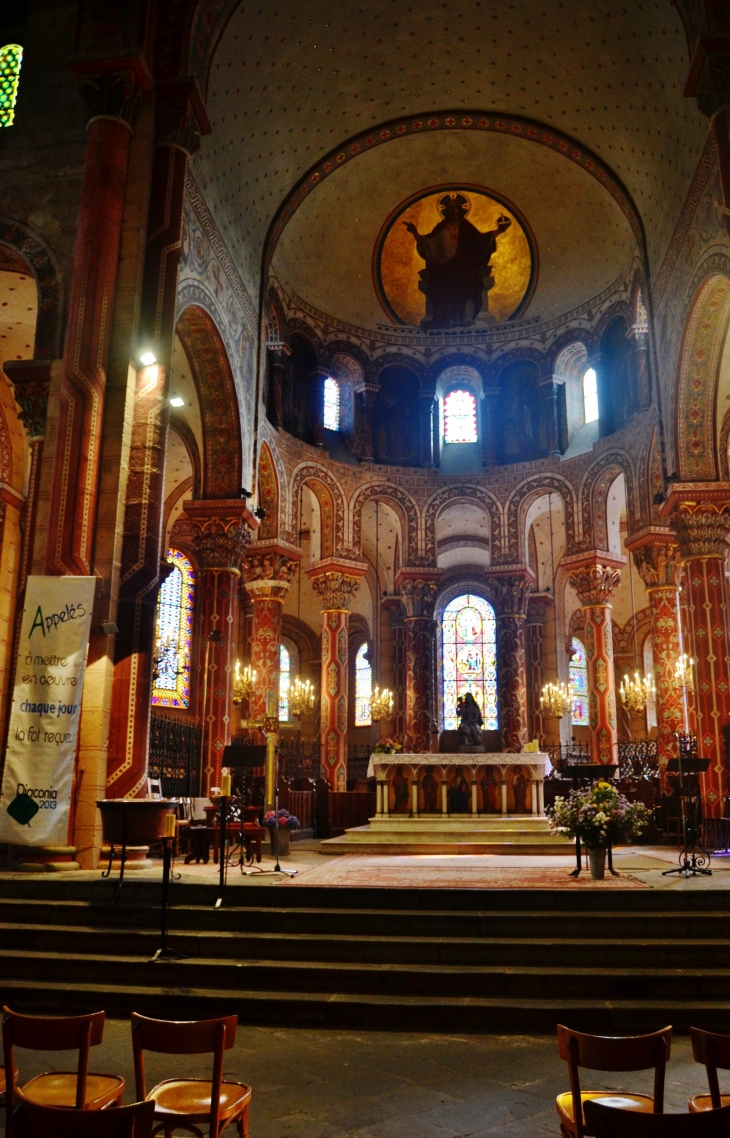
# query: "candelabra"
{"points": [[684, 673], [636, 693], [381, 704], [555, 700], [166, 660], [301, 697], [244, 682]]}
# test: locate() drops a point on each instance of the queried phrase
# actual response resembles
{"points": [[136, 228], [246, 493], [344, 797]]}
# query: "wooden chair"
{"points": [[79, 1090], [123, 1122], [189, 1103], [714, 1051], [609, 1122], [610, 1053]]}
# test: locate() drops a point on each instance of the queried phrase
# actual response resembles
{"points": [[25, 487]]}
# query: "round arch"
{"points": [[700, 354]]}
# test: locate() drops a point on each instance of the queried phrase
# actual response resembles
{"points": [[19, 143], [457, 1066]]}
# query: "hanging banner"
{"points": [[44, 719]]}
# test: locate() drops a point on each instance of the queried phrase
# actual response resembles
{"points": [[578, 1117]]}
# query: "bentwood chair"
{"points": [[78, 1090], [57, 1122], [190, 1103], [610, 1053], [609, 1122], [714, 1051]]}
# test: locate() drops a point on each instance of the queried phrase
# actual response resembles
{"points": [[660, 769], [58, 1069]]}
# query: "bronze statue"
{"points": [[470, 723]]}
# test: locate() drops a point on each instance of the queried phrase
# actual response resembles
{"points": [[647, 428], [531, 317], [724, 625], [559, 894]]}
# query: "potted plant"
{"points": [[600, 817], [388, 747], [286, 823]]}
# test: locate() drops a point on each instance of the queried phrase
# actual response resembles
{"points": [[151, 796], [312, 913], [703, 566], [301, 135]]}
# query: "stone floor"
{"points": [[317, 1084]]}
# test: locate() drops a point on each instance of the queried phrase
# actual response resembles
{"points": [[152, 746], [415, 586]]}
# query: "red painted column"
{"points": [[222, 529], [396, 679], [701, 517], [417, 589], [511, 592], [31, 381], [657, 560], [538, 605], [269, 571], [594, 577], [335, 580]]}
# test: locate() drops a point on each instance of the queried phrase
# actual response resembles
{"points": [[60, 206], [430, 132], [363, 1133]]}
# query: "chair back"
{"points": [[122, 1122], [52, 1033], [614, 1053], [714, 1051], [154, 788], [610, 1122], [186, 1037]]}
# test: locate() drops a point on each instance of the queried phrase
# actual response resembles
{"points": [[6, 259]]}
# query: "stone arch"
{"points": [[699, 358], [404, 506], [211, 372], [518, 504], [464, 493], [30, 254], [594, 494], [267, 484], [395, 359], [331, 499]]}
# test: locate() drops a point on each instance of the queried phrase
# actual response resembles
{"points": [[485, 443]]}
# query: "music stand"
{"points": [[592, 771], [691, 864]]}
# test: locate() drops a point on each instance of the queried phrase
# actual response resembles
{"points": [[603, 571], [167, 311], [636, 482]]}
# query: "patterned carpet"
{"points": [[367, 871]]}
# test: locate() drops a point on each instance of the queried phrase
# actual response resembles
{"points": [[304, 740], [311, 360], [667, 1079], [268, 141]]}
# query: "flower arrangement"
{"points": [[284, 819], [598, 815], [388, 747]]}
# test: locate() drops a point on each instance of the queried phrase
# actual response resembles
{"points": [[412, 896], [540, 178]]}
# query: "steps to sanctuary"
{"points": [[503, 960], [464, 834]]}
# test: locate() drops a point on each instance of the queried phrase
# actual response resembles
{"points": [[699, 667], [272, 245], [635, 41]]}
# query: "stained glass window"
{"points": [[651, 719], [284, 679], [174, 634], [460, 417], [469, 638], [578, 672], [11, 57], [363, 687], [331, 404], [590, 396]]}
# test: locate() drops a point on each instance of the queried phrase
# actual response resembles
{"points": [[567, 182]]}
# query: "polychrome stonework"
{"points": [[269, 570], [595, 581]]}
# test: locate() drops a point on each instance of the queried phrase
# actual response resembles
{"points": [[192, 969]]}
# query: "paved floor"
{"points": [[316, 1084]]}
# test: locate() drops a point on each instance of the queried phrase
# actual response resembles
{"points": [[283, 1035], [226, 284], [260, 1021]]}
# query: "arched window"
{"points": [[460, 417], [469, 639], [651, 719], [331, 404], [578, 671], [173, 634], [590, 396], [284, 679], [363, 687], [11, 57]]}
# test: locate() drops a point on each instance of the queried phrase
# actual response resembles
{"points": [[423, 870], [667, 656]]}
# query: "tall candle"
{"points": [[225, 785], [169, 825]]}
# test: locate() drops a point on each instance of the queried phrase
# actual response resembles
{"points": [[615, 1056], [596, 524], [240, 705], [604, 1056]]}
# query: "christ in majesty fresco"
{"points": [[457, 277]]}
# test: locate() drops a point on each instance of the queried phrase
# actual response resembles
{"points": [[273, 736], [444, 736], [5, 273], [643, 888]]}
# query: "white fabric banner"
{"points": [[44, 719]]}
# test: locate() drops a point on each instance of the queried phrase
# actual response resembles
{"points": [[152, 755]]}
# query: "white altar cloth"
{"points": [[473, 770]]}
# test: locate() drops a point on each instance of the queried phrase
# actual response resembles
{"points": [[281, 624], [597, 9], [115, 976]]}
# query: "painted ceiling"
{"points": [[584, 241], [291, 81]]}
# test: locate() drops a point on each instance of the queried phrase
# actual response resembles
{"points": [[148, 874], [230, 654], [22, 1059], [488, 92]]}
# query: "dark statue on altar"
{"points": [[458, 276], [470, 724]]}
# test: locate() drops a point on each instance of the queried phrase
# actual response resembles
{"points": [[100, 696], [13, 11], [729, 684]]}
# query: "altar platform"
{"points": [[463, 803]]}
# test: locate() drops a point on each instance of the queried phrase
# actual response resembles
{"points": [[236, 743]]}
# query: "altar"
{"points": [[453, 785]]}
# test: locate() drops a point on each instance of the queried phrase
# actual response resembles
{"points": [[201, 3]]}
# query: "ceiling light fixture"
{"points": [[147, 358], [176, 400]]}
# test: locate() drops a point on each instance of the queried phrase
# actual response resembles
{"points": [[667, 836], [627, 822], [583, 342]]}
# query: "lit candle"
{"points": [[169, 825], [225, 785]]}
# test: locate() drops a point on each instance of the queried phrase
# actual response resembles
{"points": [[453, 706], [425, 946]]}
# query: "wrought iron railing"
{"points": [[638, 759], [174, 755]]}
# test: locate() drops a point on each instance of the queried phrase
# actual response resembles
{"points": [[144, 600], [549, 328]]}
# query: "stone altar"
{"points": [[450, 785]]}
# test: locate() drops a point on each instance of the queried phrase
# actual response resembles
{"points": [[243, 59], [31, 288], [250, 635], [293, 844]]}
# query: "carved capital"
{"points": [[702, 528], [269, 569], [659, 566], [595, 583], [111, 94], [335, 581], [31, 380], [417, 589], [221, 530], [180, 115], [511, 591]]}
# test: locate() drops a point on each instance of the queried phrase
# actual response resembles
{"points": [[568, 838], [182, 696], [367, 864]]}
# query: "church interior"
{"points": [[364, 563]]}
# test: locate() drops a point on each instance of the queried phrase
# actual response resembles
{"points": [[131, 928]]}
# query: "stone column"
{"points": [[178, 124], [31, 381], [368, 393], [595, 576], [417, 589], [511, 592], [335, 580], [537, 606], [269, 570], [701, 520], [428, 407], [490, 447], [221, 529], [639, 337], [549, 391], [276, 382], [396, 679], [657, 560], [316, 405], [69, 481]]}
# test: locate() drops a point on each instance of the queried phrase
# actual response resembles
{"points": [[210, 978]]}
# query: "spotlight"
{"points": [[147, 358], [107, 628], [259, 513], [176, 400], [246, 493]]}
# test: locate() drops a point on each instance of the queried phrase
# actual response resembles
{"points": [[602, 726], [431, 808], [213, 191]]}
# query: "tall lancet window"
{"points": [[460, 417], [331, 404], [284, 681], [363, 687], [469, 643], [578, 672], [174, 634], [11, 57]]}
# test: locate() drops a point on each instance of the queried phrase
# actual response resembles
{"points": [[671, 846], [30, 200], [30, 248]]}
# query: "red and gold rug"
{"points": [[367, 872]]}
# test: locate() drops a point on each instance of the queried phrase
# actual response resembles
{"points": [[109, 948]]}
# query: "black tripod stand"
{"points": [[694, 860]]}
